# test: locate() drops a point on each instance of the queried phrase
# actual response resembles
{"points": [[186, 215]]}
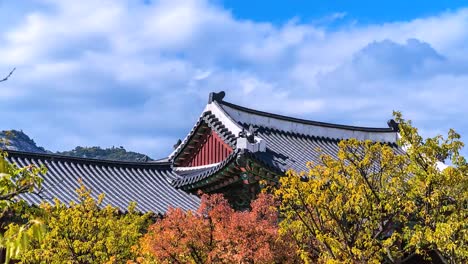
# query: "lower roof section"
{"points": [[146, 183]]}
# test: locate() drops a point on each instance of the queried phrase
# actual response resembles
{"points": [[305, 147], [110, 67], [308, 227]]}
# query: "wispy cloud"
{"points": [[125, 73]]}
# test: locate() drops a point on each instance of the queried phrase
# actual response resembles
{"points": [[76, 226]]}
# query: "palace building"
{"points": [[231, 150]]}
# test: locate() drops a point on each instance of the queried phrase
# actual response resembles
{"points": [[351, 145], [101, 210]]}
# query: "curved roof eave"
{"points": [[243, 115]]}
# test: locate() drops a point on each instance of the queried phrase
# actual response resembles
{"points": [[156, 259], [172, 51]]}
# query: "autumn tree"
{"points": [[438, 193], [375, 203], [218, 234], [17, 230], [87, 232]]}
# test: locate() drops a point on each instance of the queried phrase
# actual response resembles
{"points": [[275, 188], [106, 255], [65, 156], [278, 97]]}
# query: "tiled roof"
{"points": [[290, 142], [147, 183], [246, 116], [279, 143], [227, 106], [292, 151], [192, 176]]}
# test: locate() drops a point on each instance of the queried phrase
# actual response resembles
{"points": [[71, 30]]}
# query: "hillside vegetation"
{"points": [[113, 153], [19, 141]]}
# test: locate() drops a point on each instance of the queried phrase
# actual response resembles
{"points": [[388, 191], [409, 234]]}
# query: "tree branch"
{"points": [[16, 192], [8, 76]]}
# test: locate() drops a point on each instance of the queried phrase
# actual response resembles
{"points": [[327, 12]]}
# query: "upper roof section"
{"points": [[245, 116], [277, 142], [236, 125]]}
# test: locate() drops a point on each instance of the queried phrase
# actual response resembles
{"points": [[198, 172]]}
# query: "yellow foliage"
{"points": [[373, 203], [87, 232]]}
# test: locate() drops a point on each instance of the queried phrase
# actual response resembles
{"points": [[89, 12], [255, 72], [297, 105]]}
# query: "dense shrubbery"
{"points": [[369, 205], [87, 232], [84, 232], [218, 234], [18, 225]]}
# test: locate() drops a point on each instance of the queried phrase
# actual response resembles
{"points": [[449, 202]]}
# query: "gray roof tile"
{"points": [[292, 151], [147, 183], [285, 149]]}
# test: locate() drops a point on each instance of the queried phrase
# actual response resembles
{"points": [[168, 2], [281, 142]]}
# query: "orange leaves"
{"points": [[218, 234], [178, 236]]}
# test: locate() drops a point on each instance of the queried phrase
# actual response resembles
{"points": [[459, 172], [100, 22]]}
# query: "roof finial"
{"points": [[393, 125], [218, 97]]}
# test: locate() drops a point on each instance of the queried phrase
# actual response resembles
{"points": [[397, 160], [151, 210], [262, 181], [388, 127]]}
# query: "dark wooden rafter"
{"points": [[253, 176], [227, 177], [256, 173]]}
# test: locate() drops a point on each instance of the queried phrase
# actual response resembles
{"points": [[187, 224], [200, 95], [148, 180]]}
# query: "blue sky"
{"points": [[368, 11], [137, 73]]}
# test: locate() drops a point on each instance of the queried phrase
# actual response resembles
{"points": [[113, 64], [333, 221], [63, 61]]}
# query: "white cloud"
{"points": [[125, 73]]}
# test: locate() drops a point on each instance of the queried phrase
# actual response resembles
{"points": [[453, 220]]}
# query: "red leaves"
{"points": [[218, 234], [177, 237]]}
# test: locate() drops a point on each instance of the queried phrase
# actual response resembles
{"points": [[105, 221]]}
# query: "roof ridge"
{"points": [[297, 134], [305, 121], [53, 156]]}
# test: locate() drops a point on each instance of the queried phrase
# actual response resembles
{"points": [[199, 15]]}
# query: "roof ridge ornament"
{"points": [[218, 97], [252, 132], [393, 125], [249, 134], [248, 140]]}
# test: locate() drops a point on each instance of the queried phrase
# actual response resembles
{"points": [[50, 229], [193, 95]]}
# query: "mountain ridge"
{"points": [[19, 141]]}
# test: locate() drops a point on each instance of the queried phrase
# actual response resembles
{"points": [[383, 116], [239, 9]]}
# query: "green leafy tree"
{"points": [[17, 230], [372, 204], [438, 193], [87, 232]]}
